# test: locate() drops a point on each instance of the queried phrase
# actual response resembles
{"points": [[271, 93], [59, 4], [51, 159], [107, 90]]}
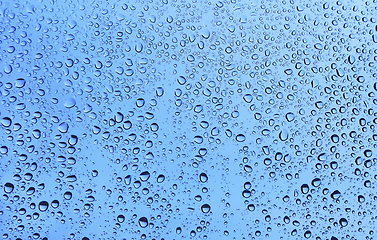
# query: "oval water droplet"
{"points": [[160, 178], [240, 138], [283, 135], [304, 188], [203, 177]]}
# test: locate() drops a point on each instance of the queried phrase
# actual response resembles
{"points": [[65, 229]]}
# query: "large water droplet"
{"points": [[143, 222]]}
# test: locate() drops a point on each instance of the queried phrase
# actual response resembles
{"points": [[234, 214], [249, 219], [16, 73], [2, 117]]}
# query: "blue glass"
{"points": [[187, 119]]}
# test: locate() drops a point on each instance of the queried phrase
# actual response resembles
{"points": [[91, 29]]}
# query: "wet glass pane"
{"points": [[188, 119]]}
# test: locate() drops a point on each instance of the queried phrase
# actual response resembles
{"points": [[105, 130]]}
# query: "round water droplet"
{"points": [[55, 203], [127, 125], [140, 102], [205, 208], [206, 33], [246, 193], [181, 80], [43, 206], [343, 222], [335, 195], [307, 234], [67, 195], [251, 207], [120, 218], [8, 69], [290, 117], [8, 187], [143, 222], [159, 92], [248, 98], [70, 102], [144, 176], [63, 127], [6, 122]]}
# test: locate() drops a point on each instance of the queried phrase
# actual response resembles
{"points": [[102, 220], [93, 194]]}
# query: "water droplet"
{"points": [[290, 117], [304, 188], [55, 203], [72, 24], [70, 102], [144, 176], [160, 178], [203, 177], [8, 187], [335, 195], [67, 195], [143, 222], [63, 127], [140, 102], [343, 222], [248, 98], [205, 208], [316, 182], [30, 191], [206, 33], [283, 135], [159, 92], [248, 168], [251, 207], [43, 206], [20, 83], [6, 122], [240, 138], [307, 234], [120, 218]]}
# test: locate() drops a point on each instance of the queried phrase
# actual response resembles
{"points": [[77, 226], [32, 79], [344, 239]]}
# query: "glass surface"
{"points": [[188, 119]]}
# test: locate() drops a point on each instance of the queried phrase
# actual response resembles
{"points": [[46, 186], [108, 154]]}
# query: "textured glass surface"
{"points": [[188, 119]]}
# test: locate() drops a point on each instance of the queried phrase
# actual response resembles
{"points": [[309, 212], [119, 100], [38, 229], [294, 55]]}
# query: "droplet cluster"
{"points": [[187, 119]]}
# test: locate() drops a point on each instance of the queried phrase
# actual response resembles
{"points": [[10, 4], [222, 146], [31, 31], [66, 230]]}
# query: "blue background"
{"points": [[187, 119]]}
